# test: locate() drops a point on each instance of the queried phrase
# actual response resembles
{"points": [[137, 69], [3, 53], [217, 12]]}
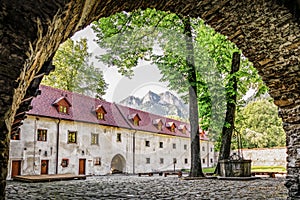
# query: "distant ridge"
{"points": [[165, 104]]}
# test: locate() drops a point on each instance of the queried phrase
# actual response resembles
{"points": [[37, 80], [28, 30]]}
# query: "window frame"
{"points": [[148, 161], [174, 145], [16, 135], [186, 161], [97, 161], [100, 115], [119, 137], [185, 147], [96, 139], [161, 161], [43, 132], [72, 132], [147, 143], [63, 109], [161, 145]]}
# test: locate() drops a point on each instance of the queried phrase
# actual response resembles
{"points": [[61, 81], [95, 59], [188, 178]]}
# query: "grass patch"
{"points": [[208, 170], [253, 169], [268, 169]]}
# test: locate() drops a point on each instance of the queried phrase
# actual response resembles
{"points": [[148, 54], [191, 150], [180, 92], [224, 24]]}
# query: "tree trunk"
{"points": [[230, 111], [196, 169]]}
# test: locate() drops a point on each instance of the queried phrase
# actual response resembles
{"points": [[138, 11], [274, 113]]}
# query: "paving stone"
{"points": [[134, 187]]}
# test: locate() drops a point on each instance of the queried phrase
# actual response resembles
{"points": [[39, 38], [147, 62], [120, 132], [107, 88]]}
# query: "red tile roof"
{"points": [[84, 109]]}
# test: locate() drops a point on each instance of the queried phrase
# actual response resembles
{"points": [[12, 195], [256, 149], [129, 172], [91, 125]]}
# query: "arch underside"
{"points": [[118, 164], [266, 32]]}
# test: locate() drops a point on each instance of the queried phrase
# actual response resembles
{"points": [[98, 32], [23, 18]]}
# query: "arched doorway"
{"points": [[118, 164]]}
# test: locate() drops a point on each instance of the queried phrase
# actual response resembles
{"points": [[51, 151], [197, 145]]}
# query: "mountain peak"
{"points": [[163, 104]]}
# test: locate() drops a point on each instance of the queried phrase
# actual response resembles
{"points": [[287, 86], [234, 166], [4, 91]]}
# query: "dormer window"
{"points": [[171, 126], [62, 104], [100, 116], [158, 124], [182, 128], [63, 109], [135, 119], [100, 111]]}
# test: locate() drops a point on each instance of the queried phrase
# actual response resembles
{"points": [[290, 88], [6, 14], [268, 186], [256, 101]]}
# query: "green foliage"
{"points": [[159, 36], [73, 71], [260, 125]]}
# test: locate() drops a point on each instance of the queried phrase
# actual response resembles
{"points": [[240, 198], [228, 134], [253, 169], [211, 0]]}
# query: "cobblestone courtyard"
{"points": [[156, 187]]}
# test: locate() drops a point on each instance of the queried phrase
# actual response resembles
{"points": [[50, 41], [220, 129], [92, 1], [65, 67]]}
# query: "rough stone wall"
{"points": [[266, 32]]}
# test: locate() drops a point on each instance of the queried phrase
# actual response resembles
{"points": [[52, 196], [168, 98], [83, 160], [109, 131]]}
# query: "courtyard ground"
{"points": [[155, 187]]}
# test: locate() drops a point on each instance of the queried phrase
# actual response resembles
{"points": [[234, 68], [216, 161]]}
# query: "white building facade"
{"points": [[71, 133]]}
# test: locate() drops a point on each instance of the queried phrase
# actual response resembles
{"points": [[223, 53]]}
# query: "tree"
{"points": [[133, 36], [73, 71], [129, 55], [228, 126], [259, 125]]}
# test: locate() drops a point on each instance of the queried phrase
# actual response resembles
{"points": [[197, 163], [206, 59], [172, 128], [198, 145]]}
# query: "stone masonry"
{"points": [[267, 32]]}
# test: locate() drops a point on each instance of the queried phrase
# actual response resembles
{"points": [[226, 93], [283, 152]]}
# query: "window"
{"points": [[161, 145], [135, 119], [94, 138], [119, 137], [211, 160], [100, 115], [174, 160], [42, 135], [100, 112], [185, 147], [97, 161], [62, 105], [185, 161], [161, 161], [211, 149], [136, 122], [203, 161], [15, 135], [147, 160], [159, 126], [64, 162], [147, 143], [72, 137], [172, 128], [63, 109], [203, 148], [174, 146]]}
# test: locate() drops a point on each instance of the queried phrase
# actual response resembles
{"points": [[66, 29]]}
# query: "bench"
{"points": [[179, 174], [146, 173], [150, 173]]}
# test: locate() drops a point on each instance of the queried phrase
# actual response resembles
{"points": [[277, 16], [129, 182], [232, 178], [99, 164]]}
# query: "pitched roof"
{"points": [[84, 109]]}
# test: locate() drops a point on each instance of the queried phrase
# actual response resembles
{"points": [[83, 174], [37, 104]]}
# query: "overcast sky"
{"points": [[146, 76]]}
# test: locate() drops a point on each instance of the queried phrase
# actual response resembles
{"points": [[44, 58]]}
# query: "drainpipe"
{"points": [[34, 142], [57, 146], [133, 152]]}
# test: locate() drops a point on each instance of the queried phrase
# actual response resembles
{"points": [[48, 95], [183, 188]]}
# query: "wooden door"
{"points": [[81, 166], [44, 166], [15, 168]]}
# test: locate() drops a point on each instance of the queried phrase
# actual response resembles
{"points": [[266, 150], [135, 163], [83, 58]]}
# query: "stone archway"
{"points": [[266, 31], [118, 164]]}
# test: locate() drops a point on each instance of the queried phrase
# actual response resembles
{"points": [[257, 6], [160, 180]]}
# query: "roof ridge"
{"points": [[122, 114]]}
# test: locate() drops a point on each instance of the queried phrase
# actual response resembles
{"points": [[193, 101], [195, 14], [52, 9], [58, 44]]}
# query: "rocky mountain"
{"points": [[161, 104]]}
